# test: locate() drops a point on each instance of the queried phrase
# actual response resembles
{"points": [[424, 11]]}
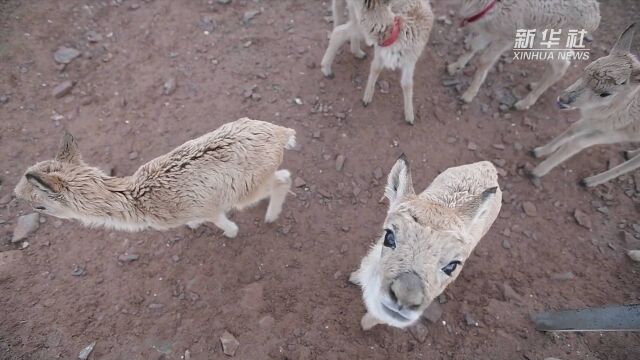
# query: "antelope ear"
{"points": [[399, 183], [475, 210], [623, 46], [68, 150], [48, 183]]}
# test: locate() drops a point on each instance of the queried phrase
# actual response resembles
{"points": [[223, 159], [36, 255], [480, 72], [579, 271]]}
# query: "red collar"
{"points": [[394, 33], [476, 17]]}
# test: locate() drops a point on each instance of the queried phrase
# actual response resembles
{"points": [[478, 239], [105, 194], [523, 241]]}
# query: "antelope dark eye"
{"points": [[605, 94], [389, 239], [451, 267]]}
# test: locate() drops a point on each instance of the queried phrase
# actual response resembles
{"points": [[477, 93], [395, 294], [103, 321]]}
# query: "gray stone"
{"points": [[433, 312], [62, 89], [582, 219], [506, 244], [65, 55], [377, 173], [634, 255], [472, 146], [266, 322], [93, 37], [529, 208], [128, 257], [84, 353], [510, 294], [299, 182], [340, 159], [229, 343], [249, 15], [133, 155], [563, 276], [384, 86], [169, 86], [468, 318], [419, 332], [26, 225]]}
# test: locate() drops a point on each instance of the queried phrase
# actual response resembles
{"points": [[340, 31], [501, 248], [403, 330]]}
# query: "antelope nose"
{"points": [[564, 100], [406, 290]]}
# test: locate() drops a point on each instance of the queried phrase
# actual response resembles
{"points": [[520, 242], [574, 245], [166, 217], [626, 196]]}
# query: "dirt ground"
{"points": [[282, 289]]}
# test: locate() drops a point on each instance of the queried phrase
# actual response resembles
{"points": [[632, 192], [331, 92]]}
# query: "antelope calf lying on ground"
{"points": [[495, 23], [398, 30], [201, 180], [426, 240], [608, 96]]}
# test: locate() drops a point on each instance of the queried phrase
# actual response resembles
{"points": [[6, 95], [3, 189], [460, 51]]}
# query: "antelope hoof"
{"points": [[365, 103], [328, 73], [409, 119], [360, 55], [453, 69], [231, 233], [535, 153], [468, 96], [523, 104]]}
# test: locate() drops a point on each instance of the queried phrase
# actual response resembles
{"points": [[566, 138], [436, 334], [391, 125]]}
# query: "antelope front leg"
{"points": [[578, 128], [574, 146], [613, 173], [374, 72], [229, 227], [407, 91], [477, 44], [339, 36], [558, 69], [487, 60]]}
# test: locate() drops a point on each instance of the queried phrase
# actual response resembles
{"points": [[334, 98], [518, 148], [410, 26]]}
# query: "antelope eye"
{"points": [[605, 94], [389, 239], [451, 267]]}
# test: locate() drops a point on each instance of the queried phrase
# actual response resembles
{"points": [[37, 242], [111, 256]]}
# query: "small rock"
{"points": [[582, 219], [65, 55], [452, 140], [175, 258], [224, 1], [229, 343], [377, 173], [563, 276], [472, 146], [433, 312], [252, 296], [93, 37], [298, 101], [634, 255], [133, 155], [529, 208], [249, 15], [84, 353], [77, 270], [155, 306], [299, 182], [419, 332], [4, 99], [266, 322], [506, 244], [384, 86], [169, 86], [26, 225], [340, 162], [468, 318], [316, 134], [510, 294], [62, 89], [444, 19], [450, 82], [128, 257]]}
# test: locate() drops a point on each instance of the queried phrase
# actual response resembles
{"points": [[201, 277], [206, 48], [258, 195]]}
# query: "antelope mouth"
{"points": [[396, 315]]}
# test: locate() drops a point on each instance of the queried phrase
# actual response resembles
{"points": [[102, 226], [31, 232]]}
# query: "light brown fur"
{"points": [[201, 180], [608, 96], [496, 31], [441, 225], [372, 20]]}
